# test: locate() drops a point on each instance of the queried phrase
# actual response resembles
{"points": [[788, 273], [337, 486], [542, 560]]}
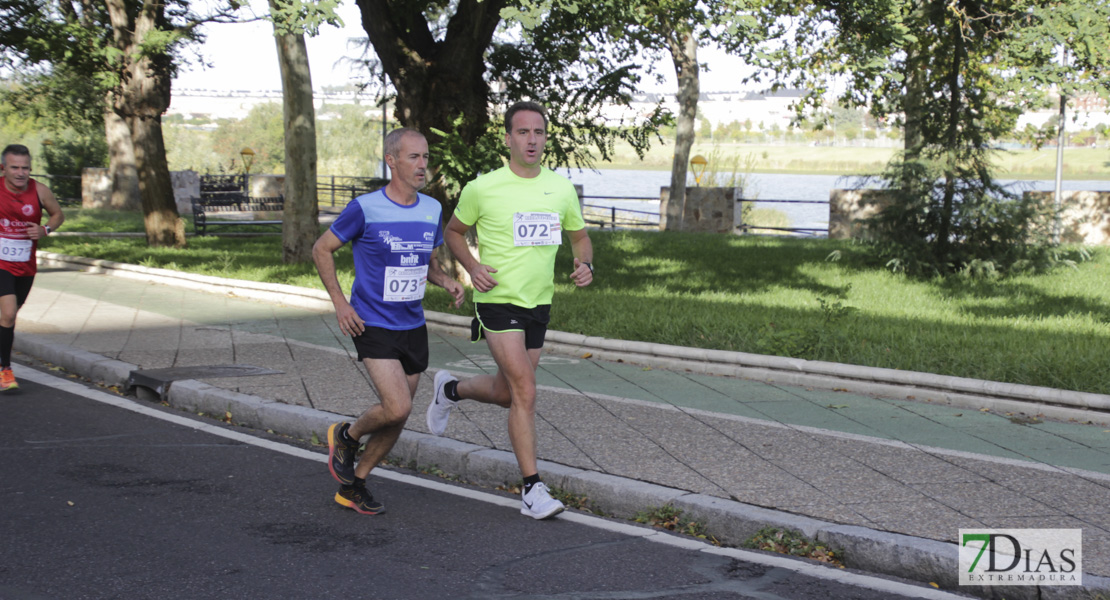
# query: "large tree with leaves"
{"points": [[449, 62], [126, 52], [957, 74]]}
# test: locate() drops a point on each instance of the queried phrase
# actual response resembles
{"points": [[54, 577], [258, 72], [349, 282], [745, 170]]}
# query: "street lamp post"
{"points": [[698, 164], [248, 159]]}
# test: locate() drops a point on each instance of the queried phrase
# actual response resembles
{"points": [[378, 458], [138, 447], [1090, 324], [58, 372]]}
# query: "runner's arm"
{"points": [[323, 255], [455, 237], [437, 276], [50, 203], [583, 253]]}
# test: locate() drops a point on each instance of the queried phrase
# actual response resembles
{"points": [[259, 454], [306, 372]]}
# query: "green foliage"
{"points": [[941, 221], [263, 130], [296, 17], [60, 100], [824, 338], [578, 77], [670, 518], [794, 543], [348, 138], [957, 75], [459, 160], [70, 155]]}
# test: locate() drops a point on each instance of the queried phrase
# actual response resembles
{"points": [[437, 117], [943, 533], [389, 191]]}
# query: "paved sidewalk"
{"points": [[890, 481]]}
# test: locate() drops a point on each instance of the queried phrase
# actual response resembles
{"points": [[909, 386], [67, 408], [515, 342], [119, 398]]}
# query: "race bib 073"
{"points": [[404, 284]]}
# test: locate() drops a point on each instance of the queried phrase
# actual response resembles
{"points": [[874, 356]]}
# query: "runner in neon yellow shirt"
{"points": [[520, 212], [519, 221]]}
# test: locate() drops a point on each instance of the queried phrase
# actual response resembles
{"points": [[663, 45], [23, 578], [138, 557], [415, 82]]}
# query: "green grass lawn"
{"points": [[764, 295]]}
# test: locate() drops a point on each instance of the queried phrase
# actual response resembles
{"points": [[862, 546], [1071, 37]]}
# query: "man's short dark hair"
{"points": [[523, 105], [16, 150], [393, 139]]}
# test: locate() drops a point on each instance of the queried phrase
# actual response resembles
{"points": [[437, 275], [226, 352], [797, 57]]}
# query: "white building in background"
{"points": [[1083, 112], [716, 107], [236, 104], [764, 111]]}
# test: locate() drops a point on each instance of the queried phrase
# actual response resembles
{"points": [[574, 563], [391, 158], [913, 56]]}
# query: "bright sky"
{"points": [[243, 57]]}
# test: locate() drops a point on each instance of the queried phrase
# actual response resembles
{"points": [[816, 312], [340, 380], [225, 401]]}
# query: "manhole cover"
{"points": [[157, 379]]}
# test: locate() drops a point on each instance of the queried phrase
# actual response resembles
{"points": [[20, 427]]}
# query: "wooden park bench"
{"points": [[235, 210]]}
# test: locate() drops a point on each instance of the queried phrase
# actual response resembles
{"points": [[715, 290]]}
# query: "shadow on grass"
{"points": [[693, 263], [1014, 299]]}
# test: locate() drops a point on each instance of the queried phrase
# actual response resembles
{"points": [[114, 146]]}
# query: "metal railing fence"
{"points": [[606, 215]]}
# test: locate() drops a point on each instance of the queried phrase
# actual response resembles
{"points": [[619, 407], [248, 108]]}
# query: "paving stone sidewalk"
{"points": [[910, 468]]}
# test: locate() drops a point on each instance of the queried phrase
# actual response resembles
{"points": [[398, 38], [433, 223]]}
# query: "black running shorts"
{"points": [[500, 318], [410, 346], [13, 284]]}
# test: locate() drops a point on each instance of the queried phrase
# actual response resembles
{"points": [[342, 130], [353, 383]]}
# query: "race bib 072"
{"points": [[536, 229]]}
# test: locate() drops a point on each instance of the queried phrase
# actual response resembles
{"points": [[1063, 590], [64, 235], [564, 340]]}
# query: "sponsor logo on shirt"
{"points": [[410, 260], [403, 246]]}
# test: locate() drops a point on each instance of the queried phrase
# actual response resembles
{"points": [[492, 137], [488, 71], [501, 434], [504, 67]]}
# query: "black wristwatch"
{"points": [[588, 265]]}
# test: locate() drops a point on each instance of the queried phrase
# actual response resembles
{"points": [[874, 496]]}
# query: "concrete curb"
{"points": [[955, 391], [731, 522]]}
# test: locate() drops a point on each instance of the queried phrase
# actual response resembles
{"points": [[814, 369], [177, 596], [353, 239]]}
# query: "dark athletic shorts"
{"points": [[12, 284], [499, 318], [410, 346]]}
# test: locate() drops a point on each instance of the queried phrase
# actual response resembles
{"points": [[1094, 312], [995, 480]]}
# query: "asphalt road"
{"points": [[98, 501]]}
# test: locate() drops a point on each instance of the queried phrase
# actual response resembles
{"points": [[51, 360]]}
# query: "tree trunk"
{"points": [[301, 224], [164, 226], [955, 98], [139, 100], [684, 52], [122, 173], [915, 91]]}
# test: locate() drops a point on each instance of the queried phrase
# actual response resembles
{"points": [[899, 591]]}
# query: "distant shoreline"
{"points": [[1080, 163], [1039, 176]]}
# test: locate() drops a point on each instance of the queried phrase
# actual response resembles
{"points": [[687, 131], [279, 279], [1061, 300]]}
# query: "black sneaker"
{"points": [[341, 454], [360, 499]]}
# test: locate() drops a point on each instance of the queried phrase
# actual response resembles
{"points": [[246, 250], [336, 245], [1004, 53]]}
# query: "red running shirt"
{"points": [[17, 211]]}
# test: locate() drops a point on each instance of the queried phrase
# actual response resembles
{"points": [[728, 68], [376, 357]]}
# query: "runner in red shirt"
{"points": [[22, 201]]}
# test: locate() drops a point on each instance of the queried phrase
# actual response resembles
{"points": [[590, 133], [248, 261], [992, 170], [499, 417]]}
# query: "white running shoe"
{"points": [[538, 503], [439, 411]]}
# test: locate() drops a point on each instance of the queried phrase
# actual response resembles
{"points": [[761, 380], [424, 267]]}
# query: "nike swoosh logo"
{"points": [[528, 505]]}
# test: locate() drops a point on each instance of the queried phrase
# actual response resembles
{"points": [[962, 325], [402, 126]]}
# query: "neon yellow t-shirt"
{"points": [[519, 223]]}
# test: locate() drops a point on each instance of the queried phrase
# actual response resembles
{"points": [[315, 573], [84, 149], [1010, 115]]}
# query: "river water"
{"points": [[642, 185]]}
